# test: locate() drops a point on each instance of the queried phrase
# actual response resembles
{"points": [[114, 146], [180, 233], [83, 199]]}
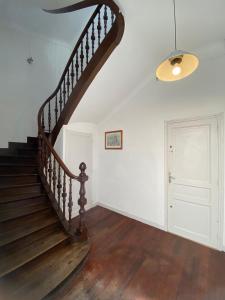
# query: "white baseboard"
{"points": [[130, 216], [135, 217]]}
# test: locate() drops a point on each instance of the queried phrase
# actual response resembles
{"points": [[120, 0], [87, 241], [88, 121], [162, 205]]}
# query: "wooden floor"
{"points": [[133, 261]]}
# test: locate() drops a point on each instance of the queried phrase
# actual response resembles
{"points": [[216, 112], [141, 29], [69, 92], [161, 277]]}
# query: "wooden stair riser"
{"points": [[18, 169], [29, 248], [18, 179], [21, 146], [7, 214], [38, 278], [24, 203], [18, 228], [6, 151], [20, 190], [18, 159], [33, 141], [26, 152], [20, 152], [24, 197]]}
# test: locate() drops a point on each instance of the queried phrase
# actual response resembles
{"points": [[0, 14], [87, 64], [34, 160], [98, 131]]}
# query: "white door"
{"points": [[193, 180]]}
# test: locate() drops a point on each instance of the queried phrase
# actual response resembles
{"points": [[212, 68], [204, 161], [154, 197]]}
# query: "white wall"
{"points": [[132, 180], [76, 144], [83, 128], [25, 87]]}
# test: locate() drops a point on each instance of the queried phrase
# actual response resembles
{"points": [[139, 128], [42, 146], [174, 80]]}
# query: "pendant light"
{"points": [[179, 64]]}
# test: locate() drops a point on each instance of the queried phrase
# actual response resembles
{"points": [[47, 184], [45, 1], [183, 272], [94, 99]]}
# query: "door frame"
{"points": [[220, 119]]}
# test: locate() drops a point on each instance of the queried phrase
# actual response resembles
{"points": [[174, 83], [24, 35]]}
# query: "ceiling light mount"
{"points": [[179, 64], [176, 60]]}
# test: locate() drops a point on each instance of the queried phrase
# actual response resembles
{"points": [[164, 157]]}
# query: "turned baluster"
{"points": [[64, 92], [112, 17], [59, 186], [72, 74], [70, 203], [87, 48], [64, 194], [43, 155], [68, 84], [56, 109], [43, 120], [50, 170], [54, 177], [82, 201], [105, 17], [60, 100], [99, 27], [82, 56], [46, 160], [40, 150], [77, 68], [93, 38], [49, 116]]}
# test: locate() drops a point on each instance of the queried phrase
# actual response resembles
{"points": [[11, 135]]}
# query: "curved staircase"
{"points": [[41, 241], [36, 254]]}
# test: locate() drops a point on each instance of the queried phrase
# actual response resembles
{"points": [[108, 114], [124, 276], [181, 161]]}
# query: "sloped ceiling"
{"points": [[147, 40]]}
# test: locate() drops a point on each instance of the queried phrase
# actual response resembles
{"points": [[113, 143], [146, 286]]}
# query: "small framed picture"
{"points": [[114, 140]]}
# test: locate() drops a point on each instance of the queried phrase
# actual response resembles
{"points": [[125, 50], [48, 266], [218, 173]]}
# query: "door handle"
{"points": [[171, 177]]}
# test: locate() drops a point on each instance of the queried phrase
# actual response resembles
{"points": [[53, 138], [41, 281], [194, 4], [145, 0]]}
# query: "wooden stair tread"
{"points": [[23, 203], [19, 168], [18, 179], [18, 164], [14, 186], [20, 227], [16, 254], [19, 145], [39, 277], [5, 199], [19, 156], [18, 175], [13, 210]]}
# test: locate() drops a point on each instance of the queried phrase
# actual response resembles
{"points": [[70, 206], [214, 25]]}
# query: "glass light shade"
{"points": [[178, 65]]}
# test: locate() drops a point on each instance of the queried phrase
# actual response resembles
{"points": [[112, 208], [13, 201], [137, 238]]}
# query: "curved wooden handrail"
{"points": [[59, 160], [84, 4], [67, 65], [81, 68]]}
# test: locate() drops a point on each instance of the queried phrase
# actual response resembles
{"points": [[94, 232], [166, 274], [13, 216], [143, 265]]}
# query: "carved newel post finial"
{"points": [[82, 229]]}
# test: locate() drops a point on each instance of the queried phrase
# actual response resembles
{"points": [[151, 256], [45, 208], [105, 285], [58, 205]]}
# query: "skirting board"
{"points": [[130, 216], [135, 217]]}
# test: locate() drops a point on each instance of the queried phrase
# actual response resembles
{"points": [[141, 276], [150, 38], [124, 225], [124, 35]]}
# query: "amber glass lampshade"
{"points": [[178, 65]]}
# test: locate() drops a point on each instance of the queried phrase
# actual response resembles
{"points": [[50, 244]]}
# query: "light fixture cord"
{"points": [[175, 24]]}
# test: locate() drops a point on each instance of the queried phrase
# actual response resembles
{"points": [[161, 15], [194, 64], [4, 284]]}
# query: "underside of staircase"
{"points": [[36, 254]]}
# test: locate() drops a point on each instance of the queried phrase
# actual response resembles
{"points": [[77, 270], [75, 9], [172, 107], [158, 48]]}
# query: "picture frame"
{"points": [[114, 140]]}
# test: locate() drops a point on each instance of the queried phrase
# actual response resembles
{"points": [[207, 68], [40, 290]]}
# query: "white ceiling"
{"points": [[147, 40]]}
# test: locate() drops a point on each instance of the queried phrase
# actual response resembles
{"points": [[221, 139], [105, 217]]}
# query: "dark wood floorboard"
{"points": [[133, 261]]}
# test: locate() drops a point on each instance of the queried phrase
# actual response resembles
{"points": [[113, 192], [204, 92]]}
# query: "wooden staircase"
{"points": [[40, 244], [36, 254]]}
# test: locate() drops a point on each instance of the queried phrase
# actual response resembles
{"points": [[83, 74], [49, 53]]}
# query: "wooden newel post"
{"points": [[82, 201]]}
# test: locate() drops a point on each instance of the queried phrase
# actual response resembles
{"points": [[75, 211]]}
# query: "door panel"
{"points": [[199, 228], [193, 180], [191, 159]]}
